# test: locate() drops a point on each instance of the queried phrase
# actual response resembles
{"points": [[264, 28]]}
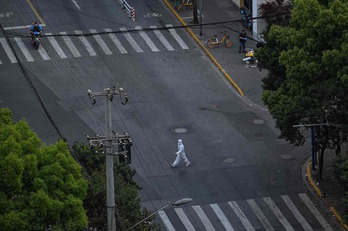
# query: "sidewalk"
{"points": [[249, 81]]}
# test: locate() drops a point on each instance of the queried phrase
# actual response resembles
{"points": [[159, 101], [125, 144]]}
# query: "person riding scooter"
{"points": [[35, 28]]}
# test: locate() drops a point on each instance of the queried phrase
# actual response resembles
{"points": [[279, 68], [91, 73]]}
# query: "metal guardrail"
{"points": [[130, 10]]}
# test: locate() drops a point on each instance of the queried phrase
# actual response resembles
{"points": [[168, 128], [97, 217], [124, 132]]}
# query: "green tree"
{"points": [[41, 186], [308, 73], [128, 208]]}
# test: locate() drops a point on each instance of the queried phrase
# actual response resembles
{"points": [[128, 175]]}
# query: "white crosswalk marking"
{"points": [[101, 42], [147, 39], [208, 226], [241, 216], [297, 213], [8, 50], [70, 45], [24, 49], [185, 221], [166, 221], [162, 39], [85, 42], [315, 212], [43, 53], [131, 40], [222, 217], [260, 215], [278, 214], [56, 46], [177, 37], [117, 42], [0, 62]]}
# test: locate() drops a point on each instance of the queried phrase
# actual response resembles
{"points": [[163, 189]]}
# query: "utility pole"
{"points": [[107, 142]]}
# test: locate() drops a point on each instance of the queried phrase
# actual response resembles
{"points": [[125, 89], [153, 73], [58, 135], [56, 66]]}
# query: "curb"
{"points": [[227, 76], [320, 194]]}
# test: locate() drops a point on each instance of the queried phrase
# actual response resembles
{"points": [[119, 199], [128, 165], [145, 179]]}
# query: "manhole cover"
{"points": [[258, 121], [258, 134], [286, 157], [229, 160], [180, 130]]}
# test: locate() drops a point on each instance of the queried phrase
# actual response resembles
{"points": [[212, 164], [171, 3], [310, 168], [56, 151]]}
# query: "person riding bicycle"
{"points": [[35, 28]]}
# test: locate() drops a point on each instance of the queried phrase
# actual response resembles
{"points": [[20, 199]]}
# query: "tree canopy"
{"points": [[41, 186], [307, 81], [128, 208]]}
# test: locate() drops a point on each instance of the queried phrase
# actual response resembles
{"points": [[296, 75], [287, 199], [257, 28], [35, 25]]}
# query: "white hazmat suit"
{"points": [[180, 154]]}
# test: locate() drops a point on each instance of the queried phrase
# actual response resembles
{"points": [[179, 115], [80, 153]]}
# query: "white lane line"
{"points": [[131, 40], [241, 216], [70, 45], [166, 221], [85, 42], [75, 3], [162, 39], [222, 217], [147, 39], [297, 213], [208, 226], [278, 214], [101, 42], [315, 212], [117, 42], [0, 62], [43, 53], [19, 27], [260, 215], [177, 37], [56, 46], [24, 49], [8, 50], [185, 221]]}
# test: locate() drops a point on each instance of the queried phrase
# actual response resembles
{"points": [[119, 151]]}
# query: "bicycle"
{"points": [[215, 41], [186, 3]]}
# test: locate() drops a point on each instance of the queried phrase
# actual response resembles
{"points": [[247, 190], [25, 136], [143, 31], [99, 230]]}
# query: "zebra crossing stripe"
{"points": [[147, 39], [70, 45], [85, 42], [296, 213], [260, 215], [208, 226], [43, 53], [56, 46], [185, 221], [222, 217], [241, 215], [101, 42], [117, 42], [24, 49], [8, 50], [131, 40], [278, 214], [0, 62], [166, 221], [162, 39], [177, 37], [315, 212]]}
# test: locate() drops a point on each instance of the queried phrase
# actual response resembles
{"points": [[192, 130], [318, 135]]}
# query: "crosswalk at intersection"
{"points": [[77, 44], [290, 213]]}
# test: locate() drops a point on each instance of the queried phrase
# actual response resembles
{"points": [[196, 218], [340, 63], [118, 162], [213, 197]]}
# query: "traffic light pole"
{"points": [[107, 141]]}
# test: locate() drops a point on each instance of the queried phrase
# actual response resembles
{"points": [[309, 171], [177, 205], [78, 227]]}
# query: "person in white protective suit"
{"points": [[180, 154]]}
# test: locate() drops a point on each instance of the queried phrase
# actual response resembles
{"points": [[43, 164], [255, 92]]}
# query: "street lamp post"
{"points": [[177, 203]]}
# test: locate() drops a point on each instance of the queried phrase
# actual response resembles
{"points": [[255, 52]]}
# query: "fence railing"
{"points": [[130, 10]]}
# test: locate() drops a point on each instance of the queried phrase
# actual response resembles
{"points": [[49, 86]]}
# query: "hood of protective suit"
{"points": [[179, 143]]}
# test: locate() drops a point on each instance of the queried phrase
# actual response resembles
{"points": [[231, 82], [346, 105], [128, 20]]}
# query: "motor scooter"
{"points": [[250, 60], [36, 37]]}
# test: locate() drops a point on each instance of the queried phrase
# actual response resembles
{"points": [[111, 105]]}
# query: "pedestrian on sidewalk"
{"points": [[242, 40], [180, 154]]}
